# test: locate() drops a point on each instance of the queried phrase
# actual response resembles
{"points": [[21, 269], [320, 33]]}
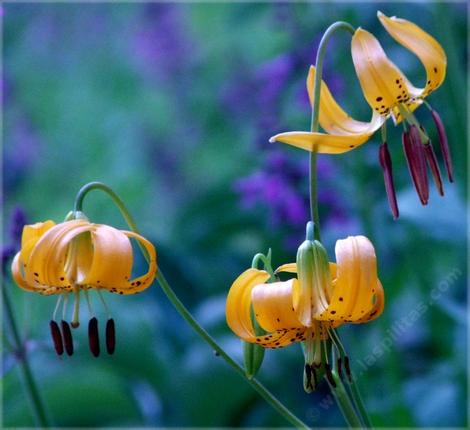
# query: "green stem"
{"points": [[30, 382], [187, 316], [355, 394], [340, 25], [344, 403], [340, 393]]}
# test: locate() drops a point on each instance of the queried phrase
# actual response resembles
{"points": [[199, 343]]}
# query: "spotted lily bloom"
{"points": [[390, 93], [76, 256], [308, 307]]}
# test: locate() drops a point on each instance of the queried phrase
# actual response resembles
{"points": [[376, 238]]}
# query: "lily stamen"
{"points": [[76, 309]]}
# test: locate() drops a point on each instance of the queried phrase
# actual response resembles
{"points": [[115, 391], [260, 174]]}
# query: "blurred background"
{"points": [[172, 106]]}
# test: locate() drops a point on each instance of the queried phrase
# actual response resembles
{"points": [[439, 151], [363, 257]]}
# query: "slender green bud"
{"points": [[313, 273], [253, 354]]}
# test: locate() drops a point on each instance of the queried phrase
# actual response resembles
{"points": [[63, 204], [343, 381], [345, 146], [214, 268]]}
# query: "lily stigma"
{"points": [[390, 94], [308, 308], [75, 256]]}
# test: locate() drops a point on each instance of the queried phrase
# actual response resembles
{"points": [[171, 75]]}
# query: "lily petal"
{"points": [[333, 119], [423, 45], [18, 276], [378, 307], [273, 305], [30, 236], [356, 281], [112, 259], [238, 306], [382, 82], [46, 265], [142, 282]]}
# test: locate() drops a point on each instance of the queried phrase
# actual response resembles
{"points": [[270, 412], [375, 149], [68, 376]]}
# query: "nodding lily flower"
{"points": [[342, 132], [76, 256], [308, 308], [390, 93]]}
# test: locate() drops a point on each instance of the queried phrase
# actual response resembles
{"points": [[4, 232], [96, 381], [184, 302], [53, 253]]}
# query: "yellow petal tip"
{"points": [[272, 139]]}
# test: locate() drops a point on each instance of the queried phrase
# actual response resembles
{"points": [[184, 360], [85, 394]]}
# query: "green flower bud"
{"points": [[253, 354]]}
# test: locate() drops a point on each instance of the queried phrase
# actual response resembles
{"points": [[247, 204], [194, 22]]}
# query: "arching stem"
{"points": [[186, 315], [340, 25]]}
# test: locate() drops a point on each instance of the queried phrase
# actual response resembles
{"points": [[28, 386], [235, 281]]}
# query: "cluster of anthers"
{"points": [[76, 256], [389, 94]]}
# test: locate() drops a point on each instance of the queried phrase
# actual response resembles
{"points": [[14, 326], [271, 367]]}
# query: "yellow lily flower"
{"points": [[390, 93], [385, 87], [77, 255], [342, 132], [355, 295]]}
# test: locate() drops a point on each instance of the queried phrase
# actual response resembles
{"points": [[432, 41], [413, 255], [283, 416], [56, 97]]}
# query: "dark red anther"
{"points": [[415, 158], [347, 368], [443, 142], [93, 337], [386, 163], [432, 163], [339, 368], [110, 336], [67, 336], [56, 337], [329, 375]]}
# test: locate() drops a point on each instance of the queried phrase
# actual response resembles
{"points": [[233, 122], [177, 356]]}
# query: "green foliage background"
{"points": [[83, 103]]}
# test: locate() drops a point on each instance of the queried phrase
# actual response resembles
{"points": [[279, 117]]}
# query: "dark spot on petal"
{"points": [[379, 99], [435, 69], [340, 299]]}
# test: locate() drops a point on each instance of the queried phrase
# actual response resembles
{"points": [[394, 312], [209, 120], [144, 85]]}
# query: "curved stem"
{"points": [[186, 315], [340, 25], [183, 311], [340, 393], [30, 382]]}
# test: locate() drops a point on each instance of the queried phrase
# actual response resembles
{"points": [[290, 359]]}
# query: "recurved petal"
{"points": [[46, 266], [378, 307], [16, 271], [112, 259], [355, 287], [382, 82], [141, 282], [423, 45], [292, 268], [30, 236], [321, 142], [333, 119], [238, 306], [273, 306], [289, 268]]}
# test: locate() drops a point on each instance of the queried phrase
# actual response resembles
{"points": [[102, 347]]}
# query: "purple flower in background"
{"points": [[20, 153], [13, 239], [161, 44]]}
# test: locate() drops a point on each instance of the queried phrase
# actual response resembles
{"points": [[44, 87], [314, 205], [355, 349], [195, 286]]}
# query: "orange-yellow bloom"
{"points": [[77, 254], [354, 295], [385, 87]]}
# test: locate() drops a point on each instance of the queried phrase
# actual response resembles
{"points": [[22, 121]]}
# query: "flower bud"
{"points": [[253, 355], [314, 281]]}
